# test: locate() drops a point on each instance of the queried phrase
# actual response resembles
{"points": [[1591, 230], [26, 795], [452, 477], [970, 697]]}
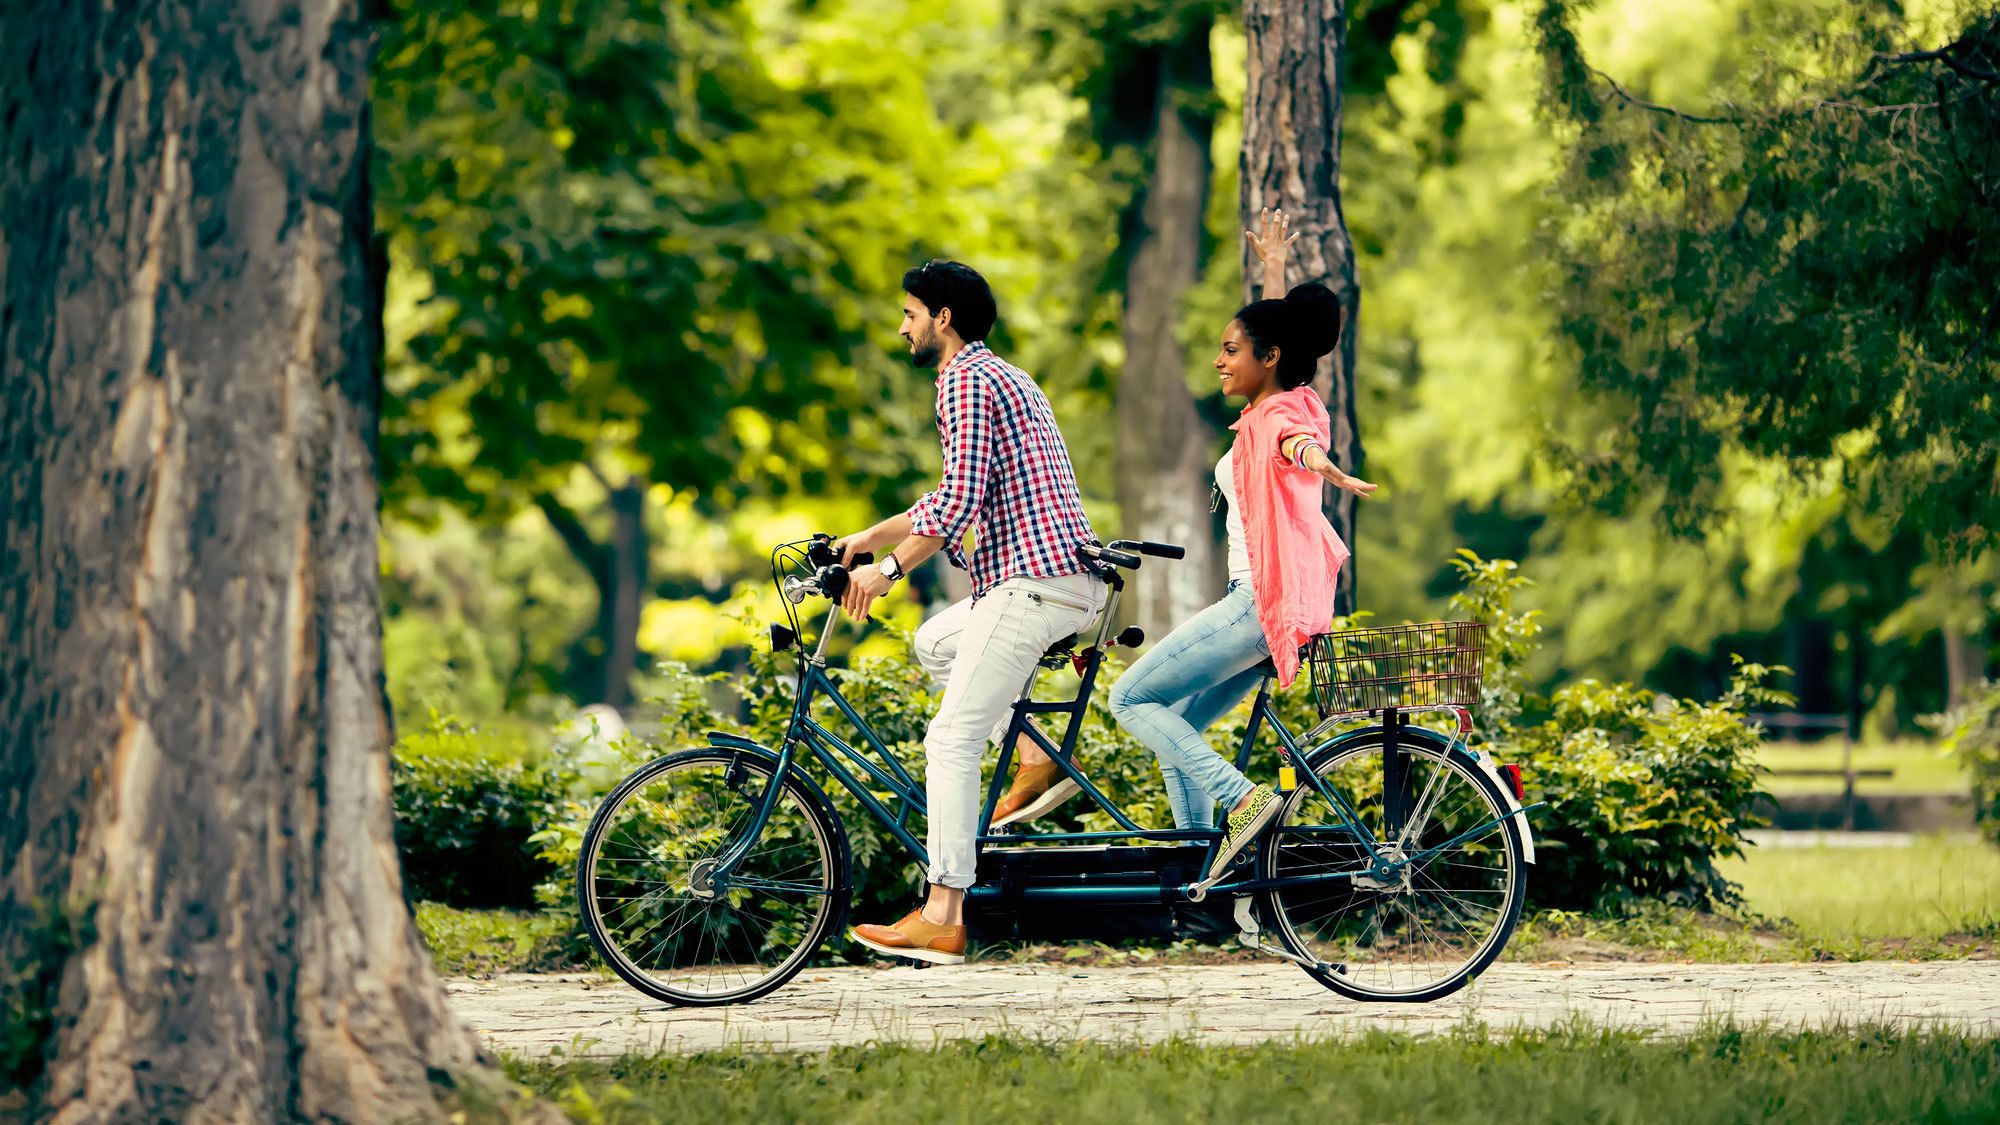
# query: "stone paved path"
{"points": [[1223, 1003]]}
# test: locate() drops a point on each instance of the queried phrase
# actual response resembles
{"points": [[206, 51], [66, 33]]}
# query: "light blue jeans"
{"points": [[1174, 692]]}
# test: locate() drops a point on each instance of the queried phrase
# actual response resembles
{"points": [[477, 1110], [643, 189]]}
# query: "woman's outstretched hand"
{"points": [[1360, 488], [1272, 236]]}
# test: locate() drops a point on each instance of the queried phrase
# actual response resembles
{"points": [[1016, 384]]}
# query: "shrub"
{"points": [[1644, 792], [467, 803], [1974, 735]]}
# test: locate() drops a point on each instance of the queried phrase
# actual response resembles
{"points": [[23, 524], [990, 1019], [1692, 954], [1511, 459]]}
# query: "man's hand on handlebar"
{"points": [[864, 585], [859, 543]]}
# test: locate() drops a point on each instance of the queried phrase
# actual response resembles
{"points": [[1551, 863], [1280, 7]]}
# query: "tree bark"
{"points": [[193, 732], [1166, 451], [1965, 657], [603, 661], [1291, 159], [623, 593]]}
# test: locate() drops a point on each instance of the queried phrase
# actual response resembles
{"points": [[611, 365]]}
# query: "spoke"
{"points": [[777, 897], [1413, 828]]}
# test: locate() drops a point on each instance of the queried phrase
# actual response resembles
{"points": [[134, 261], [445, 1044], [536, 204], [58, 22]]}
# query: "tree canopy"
{"points": [[1802, 268]]}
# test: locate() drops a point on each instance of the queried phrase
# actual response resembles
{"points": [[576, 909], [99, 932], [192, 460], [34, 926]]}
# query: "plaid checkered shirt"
{"points": [[1007, 476]]}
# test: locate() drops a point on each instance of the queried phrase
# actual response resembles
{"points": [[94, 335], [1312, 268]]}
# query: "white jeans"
{"points": [[985, 652]]}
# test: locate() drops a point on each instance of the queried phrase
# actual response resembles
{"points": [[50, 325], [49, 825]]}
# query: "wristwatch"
{"points": [[891, 568]]}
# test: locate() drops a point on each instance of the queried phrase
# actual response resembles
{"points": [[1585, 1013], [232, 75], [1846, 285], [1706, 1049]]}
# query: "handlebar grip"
{"points": [[1118, 558], [1163, 550], [833, 582], [863, 558]]}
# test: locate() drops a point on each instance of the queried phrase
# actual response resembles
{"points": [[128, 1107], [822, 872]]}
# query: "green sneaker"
{"points": [[1242, 826]]}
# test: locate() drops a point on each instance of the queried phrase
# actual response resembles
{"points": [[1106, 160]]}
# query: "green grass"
{"points": [[1721, 1074], [1920, 767], [1937, 898], [477, 942], [1936, 887]]}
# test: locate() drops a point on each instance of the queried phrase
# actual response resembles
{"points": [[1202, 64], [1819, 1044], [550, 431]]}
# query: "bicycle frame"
{"points": [[880, 766]]}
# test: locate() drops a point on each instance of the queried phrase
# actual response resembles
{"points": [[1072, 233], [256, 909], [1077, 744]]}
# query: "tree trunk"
{"points": [[603, 661], [1810, 642], [1291, 159], [623, 593], [1965, 659], [1166, 452], [193, 734]]}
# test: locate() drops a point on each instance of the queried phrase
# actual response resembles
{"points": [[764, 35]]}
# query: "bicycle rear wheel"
{"points": [[644, 878], [1444, 917]]}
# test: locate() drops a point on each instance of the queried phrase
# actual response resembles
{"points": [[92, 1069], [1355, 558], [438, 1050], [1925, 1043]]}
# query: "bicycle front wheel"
{"points": [[1425, 931], [661, 913]]}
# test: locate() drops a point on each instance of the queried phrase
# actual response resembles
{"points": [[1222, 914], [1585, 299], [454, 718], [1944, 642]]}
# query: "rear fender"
{"points": [[1451, 746]]}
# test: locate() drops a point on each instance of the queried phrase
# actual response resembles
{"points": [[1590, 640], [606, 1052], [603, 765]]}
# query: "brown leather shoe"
{"points": [[1036, 790], [915, 937]]}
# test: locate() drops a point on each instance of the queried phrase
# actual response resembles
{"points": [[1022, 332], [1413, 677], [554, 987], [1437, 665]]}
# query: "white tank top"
{"points": [[1239, 550]]}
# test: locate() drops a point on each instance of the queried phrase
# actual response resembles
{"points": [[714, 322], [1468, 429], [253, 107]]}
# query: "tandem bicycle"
{"points": [[1396, 870]]}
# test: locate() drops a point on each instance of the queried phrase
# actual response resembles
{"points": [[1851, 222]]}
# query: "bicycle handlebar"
{"points": [[1148, 547], [1109, 555]]}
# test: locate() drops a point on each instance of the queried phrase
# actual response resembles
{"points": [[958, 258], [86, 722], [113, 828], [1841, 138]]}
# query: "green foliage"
{"points": [[467, 802], [1798, 271], [28, 986], [1488, 597], [614, 256], [476, 618], [640, 257], [1974, 735], [1645, 791]]}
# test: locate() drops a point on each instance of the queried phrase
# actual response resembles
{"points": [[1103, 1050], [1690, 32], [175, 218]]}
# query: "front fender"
{"points": [[1447, 745], [724, 740]]}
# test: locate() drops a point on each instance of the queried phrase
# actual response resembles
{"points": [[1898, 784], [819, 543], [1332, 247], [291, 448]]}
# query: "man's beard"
{"points": [[925, 353]]}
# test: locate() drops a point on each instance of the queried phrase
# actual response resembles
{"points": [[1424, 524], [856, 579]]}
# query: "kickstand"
{"points": [[1249, 936], [1246, 923]]}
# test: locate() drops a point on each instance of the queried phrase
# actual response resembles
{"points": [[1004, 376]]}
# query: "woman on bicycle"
{"points": [[1284, 558]]}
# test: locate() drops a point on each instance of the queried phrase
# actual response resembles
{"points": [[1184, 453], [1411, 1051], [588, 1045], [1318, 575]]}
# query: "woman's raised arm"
{"points": [[1272, 244]]}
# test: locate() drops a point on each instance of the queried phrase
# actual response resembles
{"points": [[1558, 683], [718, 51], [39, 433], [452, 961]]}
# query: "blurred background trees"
{"points": [[1720, 386]]}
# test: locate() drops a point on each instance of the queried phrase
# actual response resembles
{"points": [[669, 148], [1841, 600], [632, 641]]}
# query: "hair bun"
{"points": [[1312, 315]]}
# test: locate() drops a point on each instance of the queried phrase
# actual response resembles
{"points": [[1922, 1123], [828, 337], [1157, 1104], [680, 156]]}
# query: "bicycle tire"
{"points": [[834, 852], [1279, 917]]}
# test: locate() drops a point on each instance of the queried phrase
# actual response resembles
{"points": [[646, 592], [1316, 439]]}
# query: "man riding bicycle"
{"points": [[1007, 479]]}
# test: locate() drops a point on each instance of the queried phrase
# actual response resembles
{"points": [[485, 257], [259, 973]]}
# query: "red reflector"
{"points": [[1513, 773]]}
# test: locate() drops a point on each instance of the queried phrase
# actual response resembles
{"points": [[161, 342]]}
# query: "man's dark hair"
{"points": [[958, 287]]}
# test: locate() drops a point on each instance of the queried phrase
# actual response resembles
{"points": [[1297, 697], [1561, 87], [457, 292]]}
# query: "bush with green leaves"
{"points": [[468, 801], [1973, 734], [1644, 792]]}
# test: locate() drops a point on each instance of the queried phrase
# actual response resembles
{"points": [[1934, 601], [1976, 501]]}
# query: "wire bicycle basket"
{"points": [[1409, 667]]}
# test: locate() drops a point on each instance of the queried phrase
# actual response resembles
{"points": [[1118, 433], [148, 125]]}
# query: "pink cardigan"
{"points": [[1295, 556]]}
